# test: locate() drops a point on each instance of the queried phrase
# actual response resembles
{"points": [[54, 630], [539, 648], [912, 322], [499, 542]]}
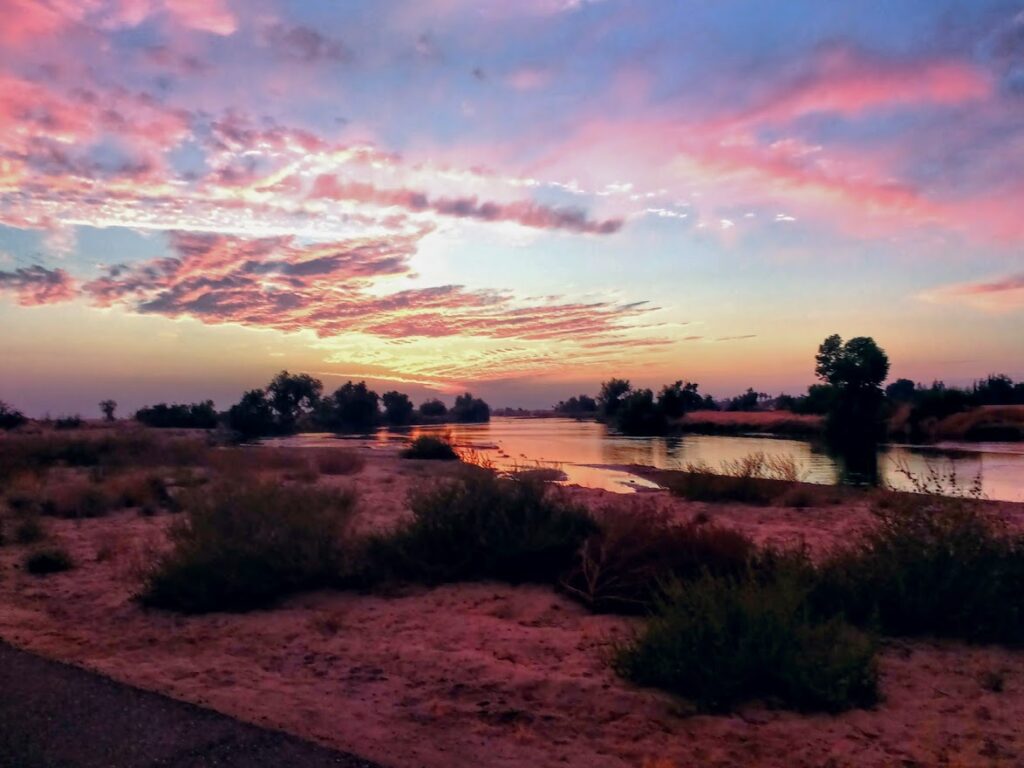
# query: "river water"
{"points": [[591, 455]]}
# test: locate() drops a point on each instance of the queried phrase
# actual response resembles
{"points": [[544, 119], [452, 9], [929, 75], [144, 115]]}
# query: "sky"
{"points": [[520, 199]]}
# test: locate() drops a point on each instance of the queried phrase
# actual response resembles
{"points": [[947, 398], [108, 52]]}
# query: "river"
{"points": [[591, 455]]}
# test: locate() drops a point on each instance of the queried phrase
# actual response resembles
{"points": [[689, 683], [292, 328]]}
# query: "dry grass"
{"points": [[988, 422], [733, 422], [338, 461]]}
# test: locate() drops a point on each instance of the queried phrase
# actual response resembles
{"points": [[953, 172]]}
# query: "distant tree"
{"points": [[708, 404], [679, 398], [179, 415], [433, 408], [353, 407], [610, 398], [108, 407], [996, 389], [583, 405], [901, 391], [469, 409], [638, 414], [817, 401], [10, 418], [748, 401], [398, 408], [856, 369], [784, 402], [291, 396], [253, 415]]}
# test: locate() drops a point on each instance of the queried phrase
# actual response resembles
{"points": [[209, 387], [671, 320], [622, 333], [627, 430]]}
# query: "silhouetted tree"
{"points": [[583, 405], [470, 409], [433, 408], [179, 415], [353, 407], [856, 369], [291, 396], [638, 414], [10, 418], [748, 401], [108, 407], [901, 391], [610, 398], [253, 415], [679, 398], [398, 408]]}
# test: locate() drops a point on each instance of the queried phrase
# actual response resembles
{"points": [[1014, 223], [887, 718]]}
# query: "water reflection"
{"points": [[591, 456]]}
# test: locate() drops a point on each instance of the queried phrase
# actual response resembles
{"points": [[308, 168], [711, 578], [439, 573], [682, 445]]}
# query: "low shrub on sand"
{"points": [[49, 560], [431, 447], [481, 526], [244, 546], [721, 641], [930, 565], [622, 565]]}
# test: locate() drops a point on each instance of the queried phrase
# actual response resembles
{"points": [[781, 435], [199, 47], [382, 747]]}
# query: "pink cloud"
{"points": [[1004, 294], [845, 82], [36, 285], [523, 212], [282, 284]]}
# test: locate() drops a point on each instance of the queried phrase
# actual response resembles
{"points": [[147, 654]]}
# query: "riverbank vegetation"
{"points": [[721, 619]]}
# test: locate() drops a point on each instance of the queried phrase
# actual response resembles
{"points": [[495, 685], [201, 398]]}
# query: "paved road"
{"points": [[56, 716]]}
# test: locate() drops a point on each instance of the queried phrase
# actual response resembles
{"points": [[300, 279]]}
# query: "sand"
{"points": [[489, 674]]}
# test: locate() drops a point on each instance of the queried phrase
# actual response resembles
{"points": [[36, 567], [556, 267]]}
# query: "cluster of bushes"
{"points": [[294, 401], [727, 620], [179, 415]]}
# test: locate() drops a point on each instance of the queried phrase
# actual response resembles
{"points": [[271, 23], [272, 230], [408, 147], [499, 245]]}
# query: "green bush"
{"points": [[429, 447], [722, 641], [930, 566], [46, 561], [244, 546], [480, 526], [622, 564]]}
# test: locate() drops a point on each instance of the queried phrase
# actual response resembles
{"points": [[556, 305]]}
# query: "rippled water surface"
{"points": [[590, 455]]}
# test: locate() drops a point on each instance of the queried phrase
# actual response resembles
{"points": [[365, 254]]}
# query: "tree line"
{"points": [[294, 402]]}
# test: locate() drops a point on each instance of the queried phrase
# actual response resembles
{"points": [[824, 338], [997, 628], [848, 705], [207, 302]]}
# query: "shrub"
{"points": [[240, 547], [10, 418], [77, 499], [68, 422], [623, 564], [721, 641], [930, 566], [480, 526], [46, 561], [430, 447]]}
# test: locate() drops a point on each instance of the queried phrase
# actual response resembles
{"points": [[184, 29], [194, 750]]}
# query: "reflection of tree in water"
{"points": [[856, 464]]}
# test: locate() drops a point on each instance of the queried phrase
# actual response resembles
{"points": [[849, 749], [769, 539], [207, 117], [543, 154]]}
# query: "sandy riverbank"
{"points": [[489, 674]]}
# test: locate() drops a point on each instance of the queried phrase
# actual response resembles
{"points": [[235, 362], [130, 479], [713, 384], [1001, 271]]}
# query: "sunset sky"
{"points": [[520, 198]]}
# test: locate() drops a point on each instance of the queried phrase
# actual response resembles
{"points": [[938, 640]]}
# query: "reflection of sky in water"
{"points": [[588, 454]]}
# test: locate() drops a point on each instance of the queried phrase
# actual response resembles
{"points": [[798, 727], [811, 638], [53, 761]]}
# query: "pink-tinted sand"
{"points": [[488, 674]]}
